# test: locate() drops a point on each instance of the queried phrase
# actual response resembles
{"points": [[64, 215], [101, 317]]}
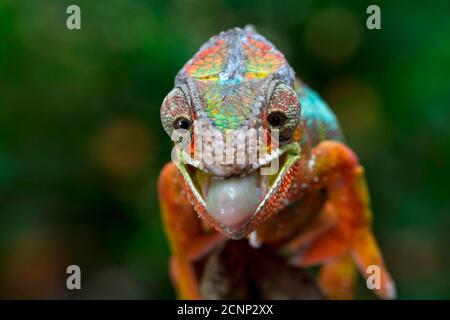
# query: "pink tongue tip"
{"points": [[233, 201]]}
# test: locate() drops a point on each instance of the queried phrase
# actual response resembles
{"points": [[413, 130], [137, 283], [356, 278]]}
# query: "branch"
{"points": [[238, 271]]}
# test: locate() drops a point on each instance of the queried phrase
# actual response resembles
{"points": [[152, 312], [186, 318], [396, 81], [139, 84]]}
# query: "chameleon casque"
{"points": [[314, 210]]}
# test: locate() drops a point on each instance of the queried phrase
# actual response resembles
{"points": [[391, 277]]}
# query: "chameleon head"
{"points": [[238, 118]]}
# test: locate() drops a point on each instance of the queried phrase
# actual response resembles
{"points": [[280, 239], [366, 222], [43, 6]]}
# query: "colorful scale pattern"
{"points": [[228, 106], [228, 100], [208, 63], [261, 59]]}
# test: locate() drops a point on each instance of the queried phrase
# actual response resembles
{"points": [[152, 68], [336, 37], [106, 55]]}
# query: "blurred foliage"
{"points": [[81, 143]]}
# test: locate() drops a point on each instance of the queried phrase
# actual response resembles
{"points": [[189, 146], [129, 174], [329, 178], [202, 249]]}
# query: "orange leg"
{"points": [[367, 255], [337, 278], [336, 169], [189, 241]]}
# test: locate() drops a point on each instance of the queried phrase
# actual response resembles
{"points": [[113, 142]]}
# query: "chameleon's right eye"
{"points": [[182, 123], [175, 112]]}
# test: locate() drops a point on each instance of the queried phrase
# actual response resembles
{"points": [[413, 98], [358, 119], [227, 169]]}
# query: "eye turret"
{"points": [[175, 112], [283, 111]]}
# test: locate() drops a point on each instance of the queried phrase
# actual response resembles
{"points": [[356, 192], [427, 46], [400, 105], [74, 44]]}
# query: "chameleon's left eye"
{"points": [[276, 119], [283, 111]]}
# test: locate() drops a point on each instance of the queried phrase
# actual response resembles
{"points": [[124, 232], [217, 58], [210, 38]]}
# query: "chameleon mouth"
{"points": [[232, 204]]}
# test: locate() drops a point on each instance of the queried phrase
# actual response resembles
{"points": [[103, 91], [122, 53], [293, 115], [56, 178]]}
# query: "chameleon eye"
{"points": [[176, 112], [283, 110], [276, 119], [182, 123]]}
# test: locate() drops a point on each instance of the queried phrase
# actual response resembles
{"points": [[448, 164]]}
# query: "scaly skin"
{"points": [[316, 208]]}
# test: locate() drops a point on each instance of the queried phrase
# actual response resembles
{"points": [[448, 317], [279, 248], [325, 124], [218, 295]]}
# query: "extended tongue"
{"points": [[233, 201]]}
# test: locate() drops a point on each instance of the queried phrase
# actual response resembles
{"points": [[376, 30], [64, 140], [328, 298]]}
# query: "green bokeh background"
{"points": [[81, 143]]}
